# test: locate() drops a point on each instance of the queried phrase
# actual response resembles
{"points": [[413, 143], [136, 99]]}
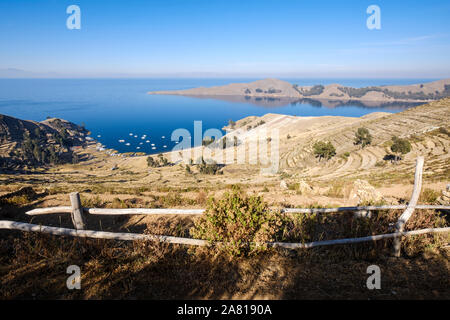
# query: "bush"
{"points": [[242, 224], [209, 168], [429, 196], [324, 150], [444, 131], [400, 146], [162, 162], [345, 155], [363, 137], [301, 227], [152, 163]]}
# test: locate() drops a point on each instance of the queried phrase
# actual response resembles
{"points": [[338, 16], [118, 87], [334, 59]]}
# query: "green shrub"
{"points": [[160, 162], [363, 137], [345, 155], [300, 227], [444, 131], [324, 150], [209, 168], [400, 146], [242, 224], [429, 196]]}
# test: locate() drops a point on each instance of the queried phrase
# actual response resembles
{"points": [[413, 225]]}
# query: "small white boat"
{"points": [[153, 148], [153, 144], [138, 147], [99, 136], [164, 146], [131, 134], [121, 141], [135, 136], [141, 143], [147, 141], [127, 144], [163, 137]]}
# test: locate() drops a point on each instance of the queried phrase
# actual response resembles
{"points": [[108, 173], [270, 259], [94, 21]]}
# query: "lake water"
{"points": [[114, 108]]}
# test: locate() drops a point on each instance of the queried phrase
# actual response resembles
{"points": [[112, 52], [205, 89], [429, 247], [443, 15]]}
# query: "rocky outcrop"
{"points": [[365, 193], [283, 185], [444, 199], [304, 188]]}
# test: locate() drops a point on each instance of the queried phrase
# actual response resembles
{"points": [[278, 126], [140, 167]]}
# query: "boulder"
{"points": [[444, 199], [365, 193], [304, 187], [283, 185], [446, 195]]}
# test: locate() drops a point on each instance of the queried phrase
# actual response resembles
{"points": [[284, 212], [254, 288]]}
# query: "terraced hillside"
{"points": [[25, 142], [426, 127]]}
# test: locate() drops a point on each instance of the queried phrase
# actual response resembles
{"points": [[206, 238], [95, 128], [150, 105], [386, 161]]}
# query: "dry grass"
{"points": [[34, 266]]}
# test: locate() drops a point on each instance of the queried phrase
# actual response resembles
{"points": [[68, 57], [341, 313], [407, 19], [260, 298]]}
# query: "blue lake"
{"points": [[114, 108]]}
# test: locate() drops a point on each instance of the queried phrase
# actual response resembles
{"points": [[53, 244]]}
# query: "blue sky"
{"points": [[291, 38]]}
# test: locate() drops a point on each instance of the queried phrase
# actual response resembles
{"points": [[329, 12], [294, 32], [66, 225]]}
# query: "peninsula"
{"points": [[275, 88]]}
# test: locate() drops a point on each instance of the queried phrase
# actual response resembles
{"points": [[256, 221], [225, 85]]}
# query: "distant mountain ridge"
{"points": [[276, 88]]}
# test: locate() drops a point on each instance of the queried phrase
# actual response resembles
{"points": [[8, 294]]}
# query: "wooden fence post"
{"points": [[77, 211], [400, 225]]}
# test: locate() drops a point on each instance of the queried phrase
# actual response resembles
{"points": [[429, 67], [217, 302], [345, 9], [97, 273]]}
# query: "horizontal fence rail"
{"points": [[14, 225], [149, 211], [108, 211], [78, 213], [367, 208], [359, 240]]}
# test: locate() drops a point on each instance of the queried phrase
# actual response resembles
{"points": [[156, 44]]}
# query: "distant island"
{"points": [[275, 88]]}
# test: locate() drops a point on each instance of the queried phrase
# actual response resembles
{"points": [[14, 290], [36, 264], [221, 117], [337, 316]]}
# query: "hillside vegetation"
{"points": [[30, 143]]}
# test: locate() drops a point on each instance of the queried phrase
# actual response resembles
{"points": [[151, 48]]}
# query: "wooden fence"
{"points": [[78, 214]]}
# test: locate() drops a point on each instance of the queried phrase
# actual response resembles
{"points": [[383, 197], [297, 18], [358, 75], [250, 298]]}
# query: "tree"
{"points": [[151, 162], [400, 146], [324, 150], [231, 123], [363, 137]]}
